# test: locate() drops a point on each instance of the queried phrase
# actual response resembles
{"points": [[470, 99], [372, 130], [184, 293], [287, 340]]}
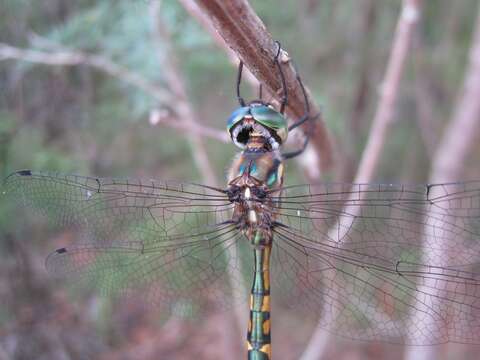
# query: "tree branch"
{"points": [[163, 117], [247, 36], [464, 128], [59, 56], [309, 157], [389, 91]]}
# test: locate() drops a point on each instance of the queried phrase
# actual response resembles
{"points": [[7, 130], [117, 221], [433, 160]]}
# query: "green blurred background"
{"points": [[78, 119]]}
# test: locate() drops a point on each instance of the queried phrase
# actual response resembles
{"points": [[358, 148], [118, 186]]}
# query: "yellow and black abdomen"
{"points": [[258, 335]]}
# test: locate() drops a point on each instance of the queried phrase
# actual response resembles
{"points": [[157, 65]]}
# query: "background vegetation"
{"points": [[79, 118]]}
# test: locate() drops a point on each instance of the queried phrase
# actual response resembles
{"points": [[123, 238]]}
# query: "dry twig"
{"points": [[64, 57], [247, 36], [389, 91], [60, 56], [163, 117]]}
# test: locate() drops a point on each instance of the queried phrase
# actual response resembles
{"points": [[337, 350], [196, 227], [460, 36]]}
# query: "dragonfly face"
{"points": [[258, 119]]}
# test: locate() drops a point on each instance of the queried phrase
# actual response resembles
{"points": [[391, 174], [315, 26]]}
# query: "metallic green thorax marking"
{"points": [[258, 335]]}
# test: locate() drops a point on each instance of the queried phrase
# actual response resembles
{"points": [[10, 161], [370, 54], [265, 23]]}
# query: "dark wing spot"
{"points": [[61, 251], [24, 172]]}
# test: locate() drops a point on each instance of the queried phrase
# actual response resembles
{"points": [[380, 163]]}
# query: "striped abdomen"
{"points": [[258, 335]]}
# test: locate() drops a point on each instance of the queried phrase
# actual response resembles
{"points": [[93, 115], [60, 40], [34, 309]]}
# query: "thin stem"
{"points": [[65, 57], [389, 91], [158, 118]]}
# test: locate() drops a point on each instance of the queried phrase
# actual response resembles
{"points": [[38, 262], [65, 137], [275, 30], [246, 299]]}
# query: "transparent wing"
{"points": [[367, 258], [166, 242], [370, 258]]}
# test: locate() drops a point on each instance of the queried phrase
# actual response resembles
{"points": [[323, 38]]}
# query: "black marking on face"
{"points": [[241, 134]]}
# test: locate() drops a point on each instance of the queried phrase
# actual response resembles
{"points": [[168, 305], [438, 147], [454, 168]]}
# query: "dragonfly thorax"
{"points": [[253, 178], [257, 168], [252, 211]]}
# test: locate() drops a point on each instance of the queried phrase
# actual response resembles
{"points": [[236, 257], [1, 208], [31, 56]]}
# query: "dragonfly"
{"points": [[365, 259]]}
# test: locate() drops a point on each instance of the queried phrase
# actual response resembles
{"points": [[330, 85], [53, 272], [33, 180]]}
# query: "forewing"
{"points": [[167, 242], [368, 257]]}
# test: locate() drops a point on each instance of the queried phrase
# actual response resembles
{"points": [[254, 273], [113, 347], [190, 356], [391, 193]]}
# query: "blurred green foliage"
{"points": [[73, 109], [76, 119]]}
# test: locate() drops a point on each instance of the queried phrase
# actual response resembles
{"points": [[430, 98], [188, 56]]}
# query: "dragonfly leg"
{"points": [[239, 80], [308, 134], [306, 114], [284, 100]]}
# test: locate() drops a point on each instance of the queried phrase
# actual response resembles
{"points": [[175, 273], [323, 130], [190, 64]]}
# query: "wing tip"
{"points": [[25, 172], [15, 174], [51, 258], [60, 251]]}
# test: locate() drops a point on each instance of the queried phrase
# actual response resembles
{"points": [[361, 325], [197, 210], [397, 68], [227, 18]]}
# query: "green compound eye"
{"points": [[272, 120], [237, 116]]}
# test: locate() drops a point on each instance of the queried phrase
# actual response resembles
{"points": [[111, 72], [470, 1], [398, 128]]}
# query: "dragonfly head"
{"points": [[257, 119]]}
